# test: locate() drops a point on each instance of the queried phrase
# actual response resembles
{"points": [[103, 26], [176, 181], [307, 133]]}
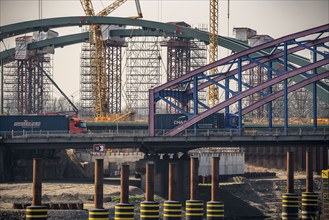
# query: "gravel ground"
{"points": [[262, 195]]}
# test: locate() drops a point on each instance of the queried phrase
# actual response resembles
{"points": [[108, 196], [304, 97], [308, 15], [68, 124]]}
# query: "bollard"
{"points": [[215, 210], [98, 214], [124, 211], [309, 205], [36, 211], [172, 210], [194, 210], [290, 205], [150, 210]]}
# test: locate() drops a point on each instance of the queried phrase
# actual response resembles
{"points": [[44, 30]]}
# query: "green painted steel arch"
{"points": [[149, 28]]}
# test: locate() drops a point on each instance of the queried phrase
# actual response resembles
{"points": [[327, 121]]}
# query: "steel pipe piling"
{"points": [[98, 212], [150, 209], [290, 201], [124, 210], [215, 208], [194, 207], [172, 209], [36, 210]]}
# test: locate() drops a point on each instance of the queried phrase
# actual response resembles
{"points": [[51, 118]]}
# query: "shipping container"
{"points": [[215, 121], [34, 123]]}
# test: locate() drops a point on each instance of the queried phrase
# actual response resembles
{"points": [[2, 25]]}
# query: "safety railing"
{"points": [[323, 131]]}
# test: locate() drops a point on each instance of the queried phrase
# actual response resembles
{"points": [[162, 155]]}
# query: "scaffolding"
{"points": [[113, 77], [199, 59], [86, 78], [143, 71]]}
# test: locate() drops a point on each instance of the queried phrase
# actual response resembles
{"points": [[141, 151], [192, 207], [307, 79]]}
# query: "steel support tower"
{"points": [[26, 89], [114, 69], [143, 71], [178, 63]]}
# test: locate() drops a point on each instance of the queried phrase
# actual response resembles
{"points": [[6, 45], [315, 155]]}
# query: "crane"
{"points": [[98, 56], [213, 51]]}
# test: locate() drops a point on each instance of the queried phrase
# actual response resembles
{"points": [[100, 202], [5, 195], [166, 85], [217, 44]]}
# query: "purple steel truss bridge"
{"points": [[274, 56]]}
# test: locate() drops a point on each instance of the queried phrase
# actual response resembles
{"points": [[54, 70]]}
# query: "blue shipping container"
{"points": [[170, 121], [34, 123]]}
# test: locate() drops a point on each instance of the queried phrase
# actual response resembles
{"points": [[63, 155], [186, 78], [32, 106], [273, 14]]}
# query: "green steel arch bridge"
{"points": [[273, 55], [147, 28]]}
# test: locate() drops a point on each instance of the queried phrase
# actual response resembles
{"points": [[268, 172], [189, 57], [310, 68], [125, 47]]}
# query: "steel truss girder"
{"points": [[244, 94]]}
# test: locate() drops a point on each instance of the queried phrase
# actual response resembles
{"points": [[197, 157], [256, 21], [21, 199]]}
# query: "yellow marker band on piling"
{"points": [[290, 201], [194, 204], [37, 216], [194, 209], [213, 205], [168, 215], [36, 210], [98, 213], [150, 210], [171, 210], [150, 216], [147, 205], [291, 206], [194, 214], [98, 218], [116, 218], [292, 197], [309, 204], [165, 204], [123, 207], [125, 213], [210, 215]]}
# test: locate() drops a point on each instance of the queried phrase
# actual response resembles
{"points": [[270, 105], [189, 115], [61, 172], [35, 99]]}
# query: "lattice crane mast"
{"points": [[98, 56], [213, 50]]}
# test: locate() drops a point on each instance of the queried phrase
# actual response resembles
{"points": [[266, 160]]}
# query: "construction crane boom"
{"points": [[109, 9], [88, 8], [213, 52], [98, 73]]}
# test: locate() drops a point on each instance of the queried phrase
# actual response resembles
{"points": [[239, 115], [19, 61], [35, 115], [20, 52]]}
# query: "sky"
{"points": [[272, 17]]}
